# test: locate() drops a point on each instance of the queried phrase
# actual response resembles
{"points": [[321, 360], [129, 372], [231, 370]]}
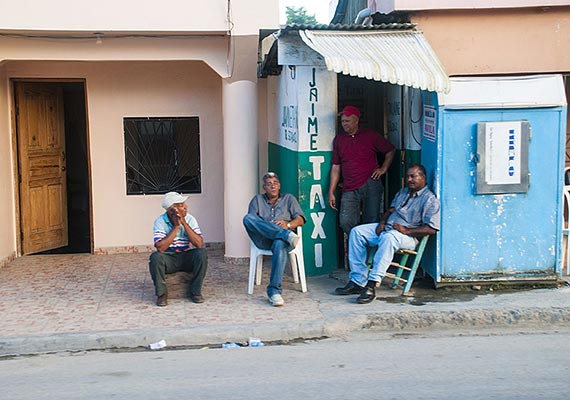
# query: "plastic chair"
{"points": [[402, 265], [566, 224], [295, 257]]}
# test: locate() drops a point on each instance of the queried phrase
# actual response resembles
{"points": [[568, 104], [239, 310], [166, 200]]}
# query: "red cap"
{"points": [[350, 110]]}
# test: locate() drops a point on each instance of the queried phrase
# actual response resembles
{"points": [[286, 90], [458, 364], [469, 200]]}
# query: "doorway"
{"points": [[369, 97], [53, 167]]}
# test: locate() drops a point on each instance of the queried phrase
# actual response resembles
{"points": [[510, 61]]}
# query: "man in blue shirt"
{"points": [[180, 247], [414, 212], [270, 221]]}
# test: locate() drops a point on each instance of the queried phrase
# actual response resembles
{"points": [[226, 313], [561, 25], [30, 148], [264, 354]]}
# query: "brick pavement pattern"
{"points": [[74, 293]]}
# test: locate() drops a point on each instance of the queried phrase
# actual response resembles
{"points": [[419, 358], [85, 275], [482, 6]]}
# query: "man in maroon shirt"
{"points": [[355, 158]]}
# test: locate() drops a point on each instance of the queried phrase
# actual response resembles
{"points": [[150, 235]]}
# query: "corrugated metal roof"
{"points": [[398, 57], [347, 27]]}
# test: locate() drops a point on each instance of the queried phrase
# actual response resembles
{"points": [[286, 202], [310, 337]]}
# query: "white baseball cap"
{"points": [[171, 198]]}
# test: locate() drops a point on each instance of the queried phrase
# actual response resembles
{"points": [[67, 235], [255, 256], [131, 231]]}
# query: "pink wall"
{"points": [[499, 41], [247, 16], [7, 227], [387, 6], [151, 74], [130, 89]]}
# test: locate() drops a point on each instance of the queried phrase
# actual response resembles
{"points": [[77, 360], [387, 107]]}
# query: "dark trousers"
{"points": [[193, 261], [367, 200]]}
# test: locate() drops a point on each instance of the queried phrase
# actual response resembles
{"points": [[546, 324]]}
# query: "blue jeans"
{"points": [[369, 198], [364, 236], [269, 236]]}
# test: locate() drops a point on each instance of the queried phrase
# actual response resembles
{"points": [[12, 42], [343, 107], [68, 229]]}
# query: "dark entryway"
{"points": [[370, 98], [78, 198]]}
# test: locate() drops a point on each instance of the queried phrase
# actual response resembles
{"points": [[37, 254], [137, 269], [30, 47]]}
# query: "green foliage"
{"points": [[298, 15]]}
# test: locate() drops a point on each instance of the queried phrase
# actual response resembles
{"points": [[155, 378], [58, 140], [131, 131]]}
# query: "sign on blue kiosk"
{"points": [[502, 157]]}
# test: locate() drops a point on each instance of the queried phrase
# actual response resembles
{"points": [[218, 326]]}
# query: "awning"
{"points": [[398, 57]]}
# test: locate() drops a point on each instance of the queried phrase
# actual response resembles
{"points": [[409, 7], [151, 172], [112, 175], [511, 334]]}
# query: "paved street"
{"points": [[513, 364]]}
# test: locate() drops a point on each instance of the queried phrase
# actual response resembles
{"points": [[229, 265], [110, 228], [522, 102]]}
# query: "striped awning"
{"points": [[401, 57]]}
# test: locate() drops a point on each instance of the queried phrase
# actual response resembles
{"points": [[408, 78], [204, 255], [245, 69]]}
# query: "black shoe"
{"points": [[162, 300], [367, 296], [197, 298], [350, 288]]}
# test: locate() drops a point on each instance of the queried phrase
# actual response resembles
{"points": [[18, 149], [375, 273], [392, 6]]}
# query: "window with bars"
{"points": [[162, 155]]}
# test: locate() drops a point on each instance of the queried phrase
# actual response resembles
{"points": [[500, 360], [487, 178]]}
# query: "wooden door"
{"points": [[41, 157]]}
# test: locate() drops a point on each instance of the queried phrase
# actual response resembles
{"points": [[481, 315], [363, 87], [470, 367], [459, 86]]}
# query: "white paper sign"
{"points": [[429, 123], [503, 153]]}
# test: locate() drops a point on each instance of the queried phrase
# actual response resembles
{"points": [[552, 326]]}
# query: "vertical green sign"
{"points": [[317, 104], [301, 154], [320, 231]]}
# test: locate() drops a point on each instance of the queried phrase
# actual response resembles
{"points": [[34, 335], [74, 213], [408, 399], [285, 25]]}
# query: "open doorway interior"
{"points": [[53, 168], [393, 111], [380, 105], [370, 98], [78, 198]]}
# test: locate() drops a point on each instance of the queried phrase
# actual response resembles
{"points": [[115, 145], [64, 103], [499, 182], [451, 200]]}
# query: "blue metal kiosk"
{"points": [[494, 151]]}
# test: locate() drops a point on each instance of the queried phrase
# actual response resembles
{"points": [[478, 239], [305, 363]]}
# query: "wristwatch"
{"points": [[288, 225]]}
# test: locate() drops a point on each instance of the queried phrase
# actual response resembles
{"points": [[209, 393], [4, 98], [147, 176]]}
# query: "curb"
{"points": [[335, 326], [472, 319], [174, 337]]}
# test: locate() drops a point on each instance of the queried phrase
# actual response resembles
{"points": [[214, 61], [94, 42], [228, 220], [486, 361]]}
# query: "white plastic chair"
{"points": [[566, 224], [295, 257]]}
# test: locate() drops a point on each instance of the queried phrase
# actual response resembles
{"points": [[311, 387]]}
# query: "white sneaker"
{"points": [[276, 300], [293, 239]]}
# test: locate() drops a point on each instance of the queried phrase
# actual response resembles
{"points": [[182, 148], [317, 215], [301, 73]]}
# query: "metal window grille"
{"points": [[162, 155]]}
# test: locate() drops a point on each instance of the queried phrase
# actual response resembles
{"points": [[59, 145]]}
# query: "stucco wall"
{"points": [[130, 89], [473, 42], [247, 16], [268, 124], [213, 50], [7, 243], [263, 127], [387, 6]]}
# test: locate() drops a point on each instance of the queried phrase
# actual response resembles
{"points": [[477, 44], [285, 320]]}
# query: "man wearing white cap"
{"points": [[180, 245]]}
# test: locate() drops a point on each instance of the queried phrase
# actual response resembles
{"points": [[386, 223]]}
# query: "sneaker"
{"points": [[293, 239], [276, 300]]}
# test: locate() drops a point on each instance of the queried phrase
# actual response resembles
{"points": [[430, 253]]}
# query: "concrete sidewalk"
{"points": [[53, 303]]}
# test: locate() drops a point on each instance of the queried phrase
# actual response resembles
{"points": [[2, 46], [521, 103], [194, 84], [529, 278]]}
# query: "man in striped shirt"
{"points": [[180, 247]]}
